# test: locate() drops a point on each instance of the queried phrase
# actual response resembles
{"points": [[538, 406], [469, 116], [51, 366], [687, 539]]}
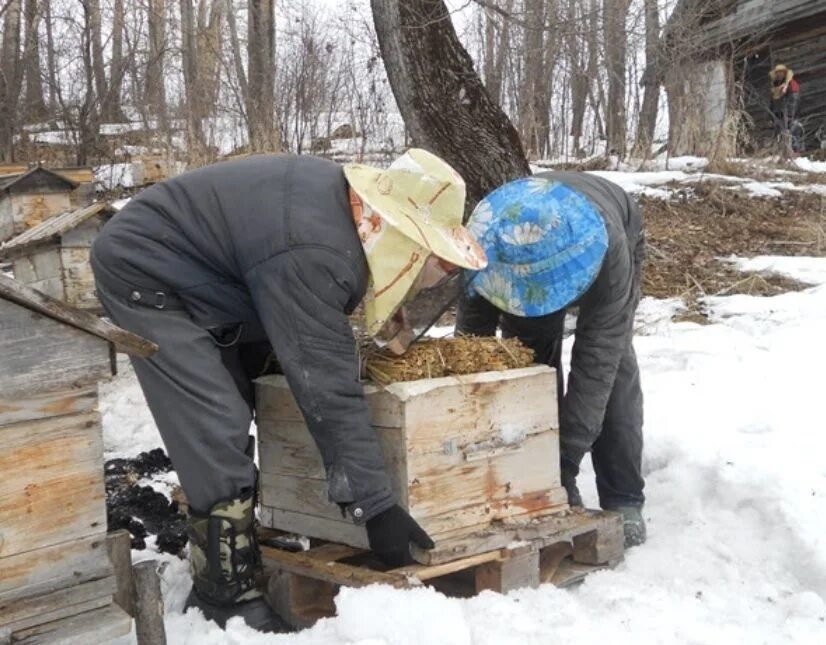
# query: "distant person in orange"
{"points": [[785, 99]]}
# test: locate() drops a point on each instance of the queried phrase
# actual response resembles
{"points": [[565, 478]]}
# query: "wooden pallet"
{"points": [[560, 550]]}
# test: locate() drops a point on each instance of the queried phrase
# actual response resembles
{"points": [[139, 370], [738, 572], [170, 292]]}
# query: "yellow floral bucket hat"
{"points": [[407, 212]]}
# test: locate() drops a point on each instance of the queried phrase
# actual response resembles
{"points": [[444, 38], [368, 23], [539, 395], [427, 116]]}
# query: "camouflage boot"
{"points": [[225, 561]]}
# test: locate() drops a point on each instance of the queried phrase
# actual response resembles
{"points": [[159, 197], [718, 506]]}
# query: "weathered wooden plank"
{"points": [[511, 572], [558, 527], [38, 354], [68, 601], [337, 572], [97, 626], [287, 448], [124, 341], [149, 625], [43, 570], [52, 486], [341, 530], [300, 601], [79, 281], [48, 404], [119, 550]]}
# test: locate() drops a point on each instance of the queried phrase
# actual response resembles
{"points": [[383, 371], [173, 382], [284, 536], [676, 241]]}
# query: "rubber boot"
{"points": [[633, 525], [225, 563]]}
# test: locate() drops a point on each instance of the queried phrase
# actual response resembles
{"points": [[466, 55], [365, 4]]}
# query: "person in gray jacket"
{"points": [[226, 263], [555, 241]]}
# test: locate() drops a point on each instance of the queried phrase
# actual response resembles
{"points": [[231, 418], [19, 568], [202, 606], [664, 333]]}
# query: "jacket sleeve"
{"points": [[603, 333], [301, 297]]}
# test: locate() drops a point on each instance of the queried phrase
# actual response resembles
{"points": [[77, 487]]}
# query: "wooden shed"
{"points": [[56, 581], [715, 56], [28, 199], [53, 257]]}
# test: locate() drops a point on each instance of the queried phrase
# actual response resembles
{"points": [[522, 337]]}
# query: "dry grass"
{"points": [[434, 358], [686, 238]]}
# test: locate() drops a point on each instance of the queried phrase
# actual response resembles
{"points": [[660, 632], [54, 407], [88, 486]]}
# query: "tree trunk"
{"points": [[533, 42], [189, 60], [496, 43], [616, 40], [579, 77], [154, 92], [112, 110], [443, 102], [209, 46], [35, 105], [11, 72], [98, 64], [263, 134], [51, 62], [651, 95], [237, 60], [88, 121]]}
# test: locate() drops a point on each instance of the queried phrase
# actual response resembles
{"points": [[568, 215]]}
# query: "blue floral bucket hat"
{"points": [[545, 244]]}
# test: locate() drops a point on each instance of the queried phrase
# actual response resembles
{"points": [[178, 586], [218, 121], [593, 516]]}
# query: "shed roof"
{"points": [[124, 341], [35, 179], [53, 227]]}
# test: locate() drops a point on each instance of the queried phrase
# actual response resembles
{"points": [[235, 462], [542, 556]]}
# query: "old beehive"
{"points": [[462, 452], [55, 577]]}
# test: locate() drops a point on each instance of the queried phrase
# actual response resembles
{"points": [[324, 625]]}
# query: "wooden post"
{"points": [[119, 546], [149, 625]]}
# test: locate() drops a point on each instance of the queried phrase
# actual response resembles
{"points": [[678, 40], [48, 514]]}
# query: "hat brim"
{"points": [[453, 244]]}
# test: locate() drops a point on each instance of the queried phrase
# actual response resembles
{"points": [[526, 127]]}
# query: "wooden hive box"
{"points": [[28, 199], [53, 257], [463, 453], [53, 561]]}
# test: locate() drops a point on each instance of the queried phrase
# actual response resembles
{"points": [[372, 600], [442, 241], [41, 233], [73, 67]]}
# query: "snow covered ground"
{"points": [[736, 485]]}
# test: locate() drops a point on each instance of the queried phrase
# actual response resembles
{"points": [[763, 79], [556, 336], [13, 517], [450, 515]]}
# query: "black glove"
{"points": [[390, 534]]}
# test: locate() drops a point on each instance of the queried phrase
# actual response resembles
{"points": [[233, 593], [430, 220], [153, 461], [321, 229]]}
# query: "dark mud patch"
{"points": [[140, 509]]}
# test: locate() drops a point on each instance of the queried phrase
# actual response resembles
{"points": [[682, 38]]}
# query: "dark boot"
{"points": [[225, 562], [633, 525]]}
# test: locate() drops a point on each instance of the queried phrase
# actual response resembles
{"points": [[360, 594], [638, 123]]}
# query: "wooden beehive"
{"points": [[28, 199], [53, 257], [55, 576], [463, 453]]}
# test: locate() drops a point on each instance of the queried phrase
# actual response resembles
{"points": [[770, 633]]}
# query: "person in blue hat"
{"points": [[554, 241]]}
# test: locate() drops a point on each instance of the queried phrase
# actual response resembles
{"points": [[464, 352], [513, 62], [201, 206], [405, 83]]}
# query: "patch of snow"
{"points": [[804, 269], [111, 176], [807, 165], [118, 204], [736, 480], [128, 427]]}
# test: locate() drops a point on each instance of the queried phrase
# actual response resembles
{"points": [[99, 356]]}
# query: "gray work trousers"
{"points": [[200, 394]]}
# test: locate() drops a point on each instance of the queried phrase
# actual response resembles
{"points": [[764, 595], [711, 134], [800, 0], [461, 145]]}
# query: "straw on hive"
{"points": [[438, 357]]}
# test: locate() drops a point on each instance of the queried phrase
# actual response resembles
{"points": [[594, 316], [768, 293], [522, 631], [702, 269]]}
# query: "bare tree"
{"points": [[263, 135], [615, 13], [11, 76], [35, 104], [497, 44], [444, 104], [651, 96], [154, 90], [111, 109]]}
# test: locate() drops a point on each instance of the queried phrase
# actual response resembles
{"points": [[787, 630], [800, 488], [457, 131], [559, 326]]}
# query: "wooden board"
{"points": [[97, 626], [52, 486], [49, 404], [60, 603], [79, 281], [42, 570], [39, 354], [29, 210]]}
